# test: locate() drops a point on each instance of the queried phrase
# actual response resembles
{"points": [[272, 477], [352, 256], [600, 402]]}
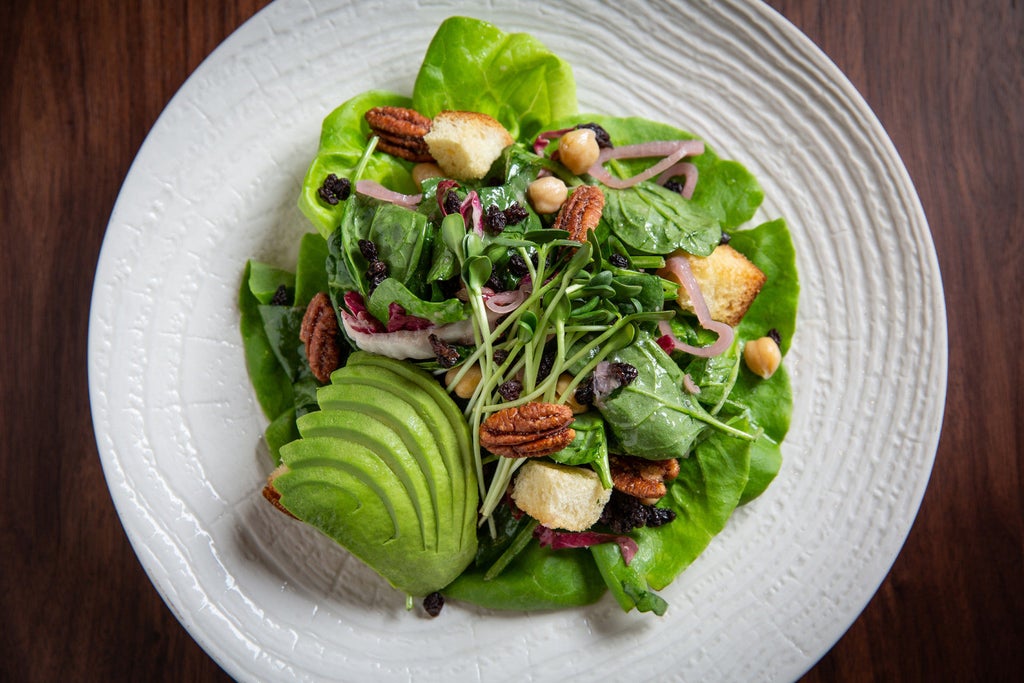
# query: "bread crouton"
{"points": [[559, 496], [727, 280], [272, 494], [465, 144]]}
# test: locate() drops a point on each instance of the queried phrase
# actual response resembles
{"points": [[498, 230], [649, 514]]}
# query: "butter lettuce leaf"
{"points": [[343, 140], [471, 65]]}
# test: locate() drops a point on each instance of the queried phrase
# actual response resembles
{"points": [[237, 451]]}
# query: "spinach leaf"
{"points": [[538, 578], [652, 417], [310, 272], [472, 65], [590, 447], [392, 291], [770, 247], [703, 496], [765, 463], [715, 376], [651, 294], [343, 140], [263, 281], [725, 189], [403, 239], [281, 325], [653, 220], [627, 585], [729, 191], [270, 381], [281, 430]]}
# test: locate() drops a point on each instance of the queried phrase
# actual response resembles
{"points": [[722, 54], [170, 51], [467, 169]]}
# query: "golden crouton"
{"points": [[465, 144], [559, 496], [727, 280]]}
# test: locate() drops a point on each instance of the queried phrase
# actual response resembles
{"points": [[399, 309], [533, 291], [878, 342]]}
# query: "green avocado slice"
{"points": [[329, 481], [462, 462], [385, 469], [406, 413], [360, 425]]}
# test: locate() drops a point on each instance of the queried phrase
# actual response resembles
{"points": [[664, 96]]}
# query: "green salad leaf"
{"points": [[471, 65], [342, 144], [386, 463]]}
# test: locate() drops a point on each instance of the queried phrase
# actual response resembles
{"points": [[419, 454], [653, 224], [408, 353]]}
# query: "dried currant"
{"points": [[452, 203], [674, 186], [334, 189], [517, 266], [433, 603], [603, 139], [618, 260], [494, 219], [584, 393], [446, 354], [511, 389], [515, 214], [624, 373], [368, 249], [281, 297]]}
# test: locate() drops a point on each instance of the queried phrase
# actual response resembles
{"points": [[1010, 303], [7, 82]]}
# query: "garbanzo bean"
{"points": [[762, 356], [547, 194], [563, 383], [466, 385], [422, 171], [578, 150]]}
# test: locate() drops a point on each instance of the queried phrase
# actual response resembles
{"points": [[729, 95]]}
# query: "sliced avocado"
{"points": [[385, 469], [405, 413], [451, 411], [440, 432], [356, 486], [360, 426]]}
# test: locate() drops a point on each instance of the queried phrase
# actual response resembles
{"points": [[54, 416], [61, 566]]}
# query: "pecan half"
{"points": [[272, 494], [529, 430], [319, 331], [642, 478], [581, 212], [400, 131]]}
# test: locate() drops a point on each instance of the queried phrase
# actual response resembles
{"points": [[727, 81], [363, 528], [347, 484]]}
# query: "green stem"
{"points": [[517, 546]]}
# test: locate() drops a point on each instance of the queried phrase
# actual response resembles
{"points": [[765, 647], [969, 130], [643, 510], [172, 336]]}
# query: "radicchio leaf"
{"points": [[558, 540]]}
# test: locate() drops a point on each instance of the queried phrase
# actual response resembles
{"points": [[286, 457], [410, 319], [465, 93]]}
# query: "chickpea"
{"points": [[578, 150], [466, 385], [547, 194], [563, 383], [762, 356], [421, 172]]}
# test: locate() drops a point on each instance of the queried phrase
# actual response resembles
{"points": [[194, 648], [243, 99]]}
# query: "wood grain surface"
{"points": [[82, 82]]}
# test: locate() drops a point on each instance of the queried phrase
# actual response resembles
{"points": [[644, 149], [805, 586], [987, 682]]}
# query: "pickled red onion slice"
{"points": [[685, 169], [680, 267], [672, 152], [372, 188]]}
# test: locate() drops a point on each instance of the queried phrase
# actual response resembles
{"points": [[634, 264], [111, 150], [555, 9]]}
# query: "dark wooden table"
{"points": [[82, 82]]}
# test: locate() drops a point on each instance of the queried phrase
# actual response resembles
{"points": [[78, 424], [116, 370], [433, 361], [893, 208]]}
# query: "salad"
{"points": [[529, 355]]}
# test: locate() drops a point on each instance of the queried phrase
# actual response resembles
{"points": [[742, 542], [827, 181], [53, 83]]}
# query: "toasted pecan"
{"points": [[320, 332], [642, 478], [530, 430], [400, 131], [581, 212]]}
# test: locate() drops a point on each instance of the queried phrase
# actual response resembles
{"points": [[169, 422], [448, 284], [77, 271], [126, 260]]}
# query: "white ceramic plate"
{"points": [[215, 184]]}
